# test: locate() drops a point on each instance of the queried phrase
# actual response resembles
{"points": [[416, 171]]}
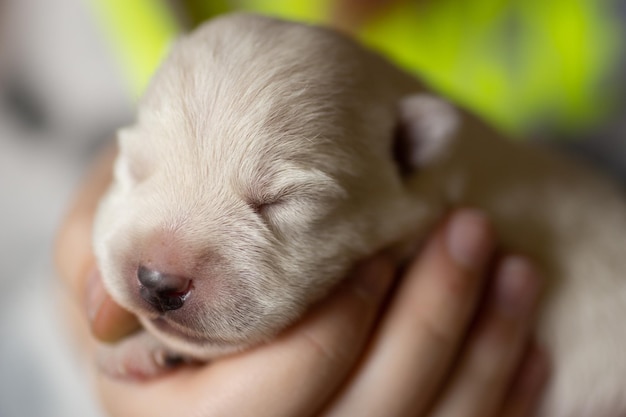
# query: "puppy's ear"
{"points": [[426, 127]]}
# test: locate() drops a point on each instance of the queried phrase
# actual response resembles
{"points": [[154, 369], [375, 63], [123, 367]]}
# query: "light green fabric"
{"points": [[518, 62], [521, 63], [140, 31]]}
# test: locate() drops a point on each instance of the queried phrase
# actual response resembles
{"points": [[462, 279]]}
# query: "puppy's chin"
{"points": [[195, 345]]}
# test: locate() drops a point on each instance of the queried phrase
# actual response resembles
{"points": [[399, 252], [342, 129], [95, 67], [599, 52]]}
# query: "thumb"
{"points": [[108, 321]]}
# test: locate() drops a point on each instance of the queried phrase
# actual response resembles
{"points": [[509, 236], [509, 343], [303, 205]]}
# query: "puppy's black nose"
{"points": [[163, 291]]}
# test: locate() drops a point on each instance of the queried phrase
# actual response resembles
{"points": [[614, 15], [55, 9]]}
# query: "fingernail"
{"points": [[469, 238], [95, 295], [372, 277], [517, 285]]}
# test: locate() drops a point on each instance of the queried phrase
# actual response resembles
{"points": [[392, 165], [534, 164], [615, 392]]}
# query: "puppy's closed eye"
{"points": [[291, 204], [261, 208], [265, 201]]}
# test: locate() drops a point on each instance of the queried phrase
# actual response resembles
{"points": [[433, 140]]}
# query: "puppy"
{"points": [[268, 157]]}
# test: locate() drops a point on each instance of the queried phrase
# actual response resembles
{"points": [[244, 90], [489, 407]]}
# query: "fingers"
{"points": [[292, 376], [495, 347], [526, 391], [73, 255], [423, 361], [420, 351], [109, 322], [425, 324], [75, 262]]}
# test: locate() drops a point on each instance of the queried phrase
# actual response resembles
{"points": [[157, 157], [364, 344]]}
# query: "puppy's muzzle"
{"points": [[163, 291]]}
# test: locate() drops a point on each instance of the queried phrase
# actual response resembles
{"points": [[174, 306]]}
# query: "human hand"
{"points": [[446, 340]]}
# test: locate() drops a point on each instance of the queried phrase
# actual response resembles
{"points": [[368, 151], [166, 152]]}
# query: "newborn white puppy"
{"points": [[268, 157]]}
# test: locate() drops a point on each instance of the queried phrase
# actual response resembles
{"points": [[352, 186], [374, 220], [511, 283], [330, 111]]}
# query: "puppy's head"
{"points": [[259, 170]]}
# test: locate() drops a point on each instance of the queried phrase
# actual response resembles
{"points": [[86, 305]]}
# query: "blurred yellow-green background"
{"points": [[521, 63]]}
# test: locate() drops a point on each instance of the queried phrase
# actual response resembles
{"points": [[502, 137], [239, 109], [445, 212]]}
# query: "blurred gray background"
{"points": [[61, 97]]}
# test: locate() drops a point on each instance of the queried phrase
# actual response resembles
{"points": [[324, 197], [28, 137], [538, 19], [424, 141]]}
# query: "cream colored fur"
{"points": [[261, 165]]}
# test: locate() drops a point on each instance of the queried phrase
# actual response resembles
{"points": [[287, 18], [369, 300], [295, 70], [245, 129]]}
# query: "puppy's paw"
{"points": [[138, 358]]}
